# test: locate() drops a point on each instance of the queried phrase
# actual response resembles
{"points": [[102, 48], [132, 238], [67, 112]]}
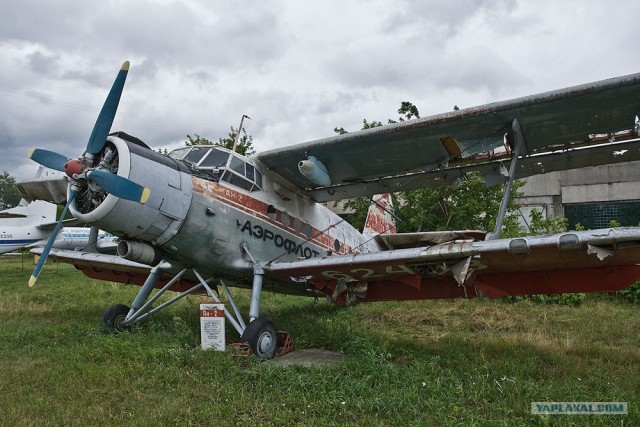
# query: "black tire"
{"points": [[114, 317], [262, 337]]}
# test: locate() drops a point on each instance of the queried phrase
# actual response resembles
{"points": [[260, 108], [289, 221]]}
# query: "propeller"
{"points": [[119, 186], [48, 159], [107, 114], [47, 248], [82, 172]]}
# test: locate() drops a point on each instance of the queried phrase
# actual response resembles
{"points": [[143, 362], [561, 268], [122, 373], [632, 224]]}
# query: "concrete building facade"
{"points": [[591, 196]]}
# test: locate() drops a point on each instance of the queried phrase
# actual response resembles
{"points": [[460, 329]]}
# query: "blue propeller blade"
{"points": [[48, 159], [52, 239], [105, 118], [119, 186]]}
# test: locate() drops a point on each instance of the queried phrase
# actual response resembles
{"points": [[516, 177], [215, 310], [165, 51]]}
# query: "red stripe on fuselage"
{"points": [[258, 209]]}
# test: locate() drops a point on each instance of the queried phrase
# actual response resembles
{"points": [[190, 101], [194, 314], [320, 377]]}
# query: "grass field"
{"points": [[424, 363]]}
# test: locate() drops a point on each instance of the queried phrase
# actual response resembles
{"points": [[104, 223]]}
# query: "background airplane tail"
{"points": [[34, 213], [380, 218]]}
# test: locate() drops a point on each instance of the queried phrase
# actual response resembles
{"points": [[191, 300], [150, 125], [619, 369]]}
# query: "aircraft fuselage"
{"points": [[222, 220]]}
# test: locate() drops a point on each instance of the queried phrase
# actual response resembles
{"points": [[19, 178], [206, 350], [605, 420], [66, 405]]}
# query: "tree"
{"points": [[467, 205], [9, 195]]}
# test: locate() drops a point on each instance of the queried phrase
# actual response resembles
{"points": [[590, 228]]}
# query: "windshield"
{"points": [[221, 164]]}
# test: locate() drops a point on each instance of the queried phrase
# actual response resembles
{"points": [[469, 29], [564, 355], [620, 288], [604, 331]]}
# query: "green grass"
{"points": [[415, 363]]}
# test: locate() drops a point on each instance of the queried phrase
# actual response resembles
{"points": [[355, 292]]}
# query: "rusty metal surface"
{"points": [[586, 261], [548, 120]]}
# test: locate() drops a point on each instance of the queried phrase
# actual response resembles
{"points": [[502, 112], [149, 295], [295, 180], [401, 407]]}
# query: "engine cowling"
{"points": [[168, 180]]}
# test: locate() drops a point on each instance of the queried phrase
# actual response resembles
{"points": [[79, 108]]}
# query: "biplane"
{"points": [[204, 218]]}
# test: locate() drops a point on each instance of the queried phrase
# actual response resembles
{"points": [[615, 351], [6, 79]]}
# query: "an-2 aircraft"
{"points": [[204, 215]]}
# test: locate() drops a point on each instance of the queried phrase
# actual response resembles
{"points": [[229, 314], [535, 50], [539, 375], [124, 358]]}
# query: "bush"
{"points": [[631, 294]]}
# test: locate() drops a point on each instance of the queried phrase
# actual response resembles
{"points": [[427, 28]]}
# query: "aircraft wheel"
{"points": [[114, 317], [262, 337]]}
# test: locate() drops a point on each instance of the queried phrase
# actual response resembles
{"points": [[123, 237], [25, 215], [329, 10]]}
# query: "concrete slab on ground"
{"points": [[308, 357]]}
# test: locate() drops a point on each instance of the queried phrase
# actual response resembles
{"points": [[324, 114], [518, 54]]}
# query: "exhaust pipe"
{"points": [[138, 252]]}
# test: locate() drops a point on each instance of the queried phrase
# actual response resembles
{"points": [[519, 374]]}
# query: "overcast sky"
{"points": [[298, 69]]}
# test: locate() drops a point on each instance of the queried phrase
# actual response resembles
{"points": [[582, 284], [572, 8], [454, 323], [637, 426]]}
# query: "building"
{"points": [[592, 196]]}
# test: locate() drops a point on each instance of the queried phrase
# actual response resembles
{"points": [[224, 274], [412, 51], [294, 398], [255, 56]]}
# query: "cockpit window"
{"points": [[179, 153], [221, 164], [215, 159], [237, 165], [196, 154]]}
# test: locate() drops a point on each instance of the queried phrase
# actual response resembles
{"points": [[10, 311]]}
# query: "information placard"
{"points": [[212, 327]]}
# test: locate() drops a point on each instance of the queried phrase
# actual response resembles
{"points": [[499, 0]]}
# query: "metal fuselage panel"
{"points": [[13, 238], [217, 228], [228, 228]]}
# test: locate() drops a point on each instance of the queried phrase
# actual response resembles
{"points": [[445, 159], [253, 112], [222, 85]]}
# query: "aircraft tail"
{"points": [[34, 213], [380, 218]]}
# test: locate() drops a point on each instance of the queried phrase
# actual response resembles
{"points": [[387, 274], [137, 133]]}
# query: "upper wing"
{"points": [[438, 150], [49, 187], [587, 261]]}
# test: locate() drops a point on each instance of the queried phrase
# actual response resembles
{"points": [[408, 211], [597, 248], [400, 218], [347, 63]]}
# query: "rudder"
{"points": [[380, 218]]}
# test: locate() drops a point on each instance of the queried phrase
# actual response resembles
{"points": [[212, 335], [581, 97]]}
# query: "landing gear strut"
{"points": [[260, 333]]}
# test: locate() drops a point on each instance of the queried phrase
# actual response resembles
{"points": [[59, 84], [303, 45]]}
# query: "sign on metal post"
{"points": [[212, 327]]}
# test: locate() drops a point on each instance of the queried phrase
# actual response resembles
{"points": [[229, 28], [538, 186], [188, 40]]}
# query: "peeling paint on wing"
{"points": [[601, 253]]}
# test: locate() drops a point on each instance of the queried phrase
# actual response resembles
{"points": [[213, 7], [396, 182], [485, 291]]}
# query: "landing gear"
{"points": [[260, 333], [262, 337], [115, 316]]}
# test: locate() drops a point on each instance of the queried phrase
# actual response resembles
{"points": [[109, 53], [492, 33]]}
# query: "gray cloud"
{"points": [[298, 69]]}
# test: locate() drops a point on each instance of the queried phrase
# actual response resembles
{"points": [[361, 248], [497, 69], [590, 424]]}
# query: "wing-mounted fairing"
{"points": [[586, 125], [587, 261]]}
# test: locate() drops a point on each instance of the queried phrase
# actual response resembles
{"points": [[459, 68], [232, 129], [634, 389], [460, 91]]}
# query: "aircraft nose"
{"points": [[73, 167]]}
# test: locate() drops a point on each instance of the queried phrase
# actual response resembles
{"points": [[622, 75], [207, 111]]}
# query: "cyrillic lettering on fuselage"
{"points": [[261, 233]]}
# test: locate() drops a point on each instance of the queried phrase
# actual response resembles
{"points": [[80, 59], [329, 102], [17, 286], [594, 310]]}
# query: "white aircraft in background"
{"points": [[26, 225], [31, 224], [78, 238]]}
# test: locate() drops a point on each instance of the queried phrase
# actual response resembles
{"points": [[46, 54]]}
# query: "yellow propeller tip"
{"points": [[32, 281], [145, 195], [125, 66]]}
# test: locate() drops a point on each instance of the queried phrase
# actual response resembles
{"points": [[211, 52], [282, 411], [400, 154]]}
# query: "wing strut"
{"points": [[520, 150]]}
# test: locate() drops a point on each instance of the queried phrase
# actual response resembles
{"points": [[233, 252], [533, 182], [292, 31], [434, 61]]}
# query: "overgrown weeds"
{"points": [[461, 362]]}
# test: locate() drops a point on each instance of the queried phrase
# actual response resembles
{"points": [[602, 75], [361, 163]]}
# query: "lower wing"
{"points": [[587, 261]]}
